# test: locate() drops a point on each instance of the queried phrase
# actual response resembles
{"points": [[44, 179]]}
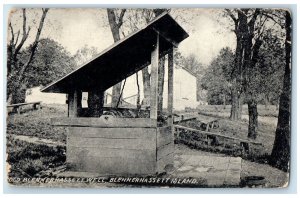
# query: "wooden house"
{"points": [[121, 145]]}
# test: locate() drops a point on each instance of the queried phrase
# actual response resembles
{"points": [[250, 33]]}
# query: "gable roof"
{"points": [[123, 58], [188, 71]]}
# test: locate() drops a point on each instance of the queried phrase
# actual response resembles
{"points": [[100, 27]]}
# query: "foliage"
{"points": [[270, 70], [216, 79], [16, 69], [51, 62], [84, 54]]}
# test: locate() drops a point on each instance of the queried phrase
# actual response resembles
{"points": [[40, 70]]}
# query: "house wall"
{"points": [[185, 89]]}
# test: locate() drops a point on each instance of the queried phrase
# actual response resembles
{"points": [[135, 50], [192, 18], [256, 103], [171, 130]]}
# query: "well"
{"points": [[118, 145]]}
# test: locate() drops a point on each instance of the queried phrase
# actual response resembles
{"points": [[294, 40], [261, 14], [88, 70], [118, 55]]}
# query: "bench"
{"points": [[17, 107], [184, 117], [208, 122]]}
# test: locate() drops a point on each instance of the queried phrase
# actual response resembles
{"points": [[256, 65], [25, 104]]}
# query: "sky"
{"points": [[75, 28]]}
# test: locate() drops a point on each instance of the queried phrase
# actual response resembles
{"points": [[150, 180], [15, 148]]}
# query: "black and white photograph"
{"points": [[148, 97]]}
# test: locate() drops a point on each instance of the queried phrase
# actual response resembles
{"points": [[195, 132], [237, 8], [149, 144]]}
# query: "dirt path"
{"points": [[36, 140]]}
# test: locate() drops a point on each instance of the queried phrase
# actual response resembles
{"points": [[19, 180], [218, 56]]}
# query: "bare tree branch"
{"points": [[272, 18], [255, 14], [12, 34], [241, 12], [17, 39], [235, 20], [25, 35], [231, 15], [34, 45], [120, 22]]}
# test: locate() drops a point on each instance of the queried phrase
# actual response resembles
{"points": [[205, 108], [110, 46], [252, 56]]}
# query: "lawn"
{"points": [[38, 124], [267, 122], [28, 159]]}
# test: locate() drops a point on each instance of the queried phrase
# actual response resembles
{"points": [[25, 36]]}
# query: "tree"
{"points": [[246, 30], [115, 22], [217, 78], [134, 20], [15, 68], [84, 54], [270, 69], [161, 73], [250, 30], [239, 23], [280, 156], [137, 19], [50, 63]]}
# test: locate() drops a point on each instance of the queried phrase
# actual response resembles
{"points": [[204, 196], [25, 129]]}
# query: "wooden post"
{"points": [[170, 87], [74, 103], [95, 103], [19, 110], [154, 80]]}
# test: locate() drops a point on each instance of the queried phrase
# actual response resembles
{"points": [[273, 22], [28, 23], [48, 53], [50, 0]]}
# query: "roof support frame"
{"points": [[175, 44]]}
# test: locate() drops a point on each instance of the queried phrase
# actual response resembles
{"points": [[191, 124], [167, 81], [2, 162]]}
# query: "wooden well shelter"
{"points": [[119, 145]]}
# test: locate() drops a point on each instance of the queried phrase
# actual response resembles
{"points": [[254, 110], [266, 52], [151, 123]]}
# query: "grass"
{"points": [[270, 111], [267, 122], [28, 159], [38, 124]]}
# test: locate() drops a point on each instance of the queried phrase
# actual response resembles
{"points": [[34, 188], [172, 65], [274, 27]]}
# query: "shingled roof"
{"points": [[123, 58]]}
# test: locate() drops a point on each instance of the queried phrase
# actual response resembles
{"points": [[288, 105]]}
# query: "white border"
{"points": [[154, 3]]}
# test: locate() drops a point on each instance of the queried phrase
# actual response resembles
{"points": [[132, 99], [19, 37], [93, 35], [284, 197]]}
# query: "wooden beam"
{"points": [[170, 86], [105, 122], [154, 80], [175, 44], [71, 104]]}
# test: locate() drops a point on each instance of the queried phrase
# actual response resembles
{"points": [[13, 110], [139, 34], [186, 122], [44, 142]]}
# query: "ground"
{"points": [[34, 146], [273, 176]]}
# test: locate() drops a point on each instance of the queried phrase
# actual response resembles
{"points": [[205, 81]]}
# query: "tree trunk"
{"points": [[280, 156], [253, 119], [116, 91], [251, 57], [161, 72], [224, 101], [15, 79], [19, 95], [146, 82], [95, 103], [236, 105], [115, 26], [237, 82]]}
